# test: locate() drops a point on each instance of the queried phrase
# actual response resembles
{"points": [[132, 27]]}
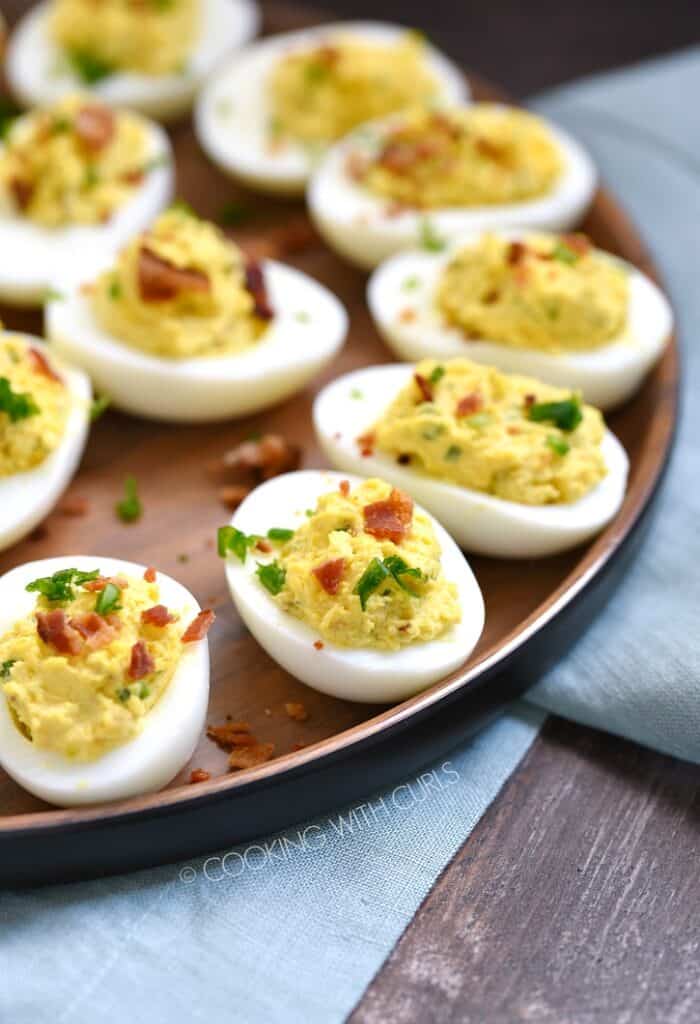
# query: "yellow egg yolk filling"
{"points": [[482, 155], [318, 94], [505, 435]]}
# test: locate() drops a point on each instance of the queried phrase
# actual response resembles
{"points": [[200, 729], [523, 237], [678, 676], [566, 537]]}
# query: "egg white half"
{"points": [[478, 522], [36, 255], [606, 376], [37, 71], [365, 229], [307, 331], [27, 498], [364, 675], [232, 112], [170, 731]]}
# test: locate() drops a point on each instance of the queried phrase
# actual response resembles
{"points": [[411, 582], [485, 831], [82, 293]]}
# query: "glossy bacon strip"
{"points": [[55, 630], [158, 615], [160, 280], [150, 575], [199, 627], [424, 387], [40, 364], [389, 519], [141, 663], [95, 126], [255, 283], [330, 574]]}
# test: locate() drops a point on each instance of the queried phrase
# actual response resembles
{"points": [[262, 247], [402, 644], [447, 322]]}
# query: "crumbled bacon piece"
{"points": [[199, 627], [230, 735], [95, 586], [407, 315], [424, 387], [366, 443], [95, 126], [141, 663], [250, 757], [389, 519], [318, 644], [40, 364], [199, 775], [22, 192], [470, 404], [160, 280], [516, 253], [232, 495], [330, 574], [55, 630], [344, 487], [263, 545], [296, 711], [261, 459], [158, 615], [74, 506], [529, 400], [577, 242], [255, 283], [96, 630], [150, 575]]}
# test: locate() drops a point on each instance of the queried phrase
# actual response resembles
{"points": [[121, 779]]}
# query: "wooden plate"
{"points": [[534, 610]]}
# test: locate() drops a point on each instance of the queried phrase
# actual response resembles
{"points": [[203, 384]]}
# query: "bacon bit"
{"points": [[150, 574], [199, 775], [232, 495], [74, 506], [95, 586], [261, 460], [54, 629], [470, 404], [199, 627], [516, 253], [160, 280], [95, 126], [366, 443], [229, 735], [330, 574], [389, 519], [134, 177], [264, 546], [158, 615], [40, 364], [297, 711], [255, 283], [141, 663], [344, 488], [96, 630], [22, 192], [318, 645], [577, 242], [512, 429], [529, 400], [424, 387], [398, 155], [490, 149], [407, 315], [250, 757]]}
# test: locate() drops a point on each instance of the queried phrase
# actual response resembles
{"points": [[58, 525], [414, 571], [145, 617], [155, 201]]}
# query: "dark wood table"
{"points": [[574, 899]]}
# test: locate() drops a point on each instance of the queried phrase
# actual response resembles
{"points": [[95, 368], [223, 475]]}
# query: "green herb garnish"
{"points": [[398, 568], [108, 599], [272, 576], [88, 67], [437, 374], [478, 420], [558, 444], [6, 668], [98, 406], [228, 538], [129, 509], [356, 394], [378, 572], [278, 533], [564, 254], [453, 453], [410, 283], [59, 587], [565, 414], [91, 177], [144, 692], [315, 72], [124, 694], [429, 237], [16, 405], [115, 289]]}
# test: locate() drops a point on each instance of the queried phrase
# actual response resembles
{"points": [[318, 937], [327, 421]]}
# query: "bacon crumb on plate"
{"points": [[199, 775], [250, 757]]}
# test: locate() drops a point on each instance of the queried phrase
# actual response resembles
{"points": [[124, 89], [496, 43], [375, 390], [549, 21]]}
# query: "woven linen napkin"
{"points": [[271, 932]]}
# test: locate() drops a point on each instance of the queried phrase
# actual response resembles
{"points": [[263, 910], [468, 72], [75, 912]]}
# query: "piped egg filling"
{"points": [[183, 290], [34, 406], [100, 37], [549, 292], [509, 436], [481, 155], [363, 571], [76, 162], [319, 94], [84, 669]]}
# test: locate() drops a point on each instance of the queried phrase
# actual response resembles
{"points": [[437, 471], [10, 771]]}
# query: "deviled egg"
{"points": [[513, 468], [104, 678], [427, 176], [150, 56], [182, 328], [277, 105], [44, 418], [550, 306], [75, 178], [350, 587]]}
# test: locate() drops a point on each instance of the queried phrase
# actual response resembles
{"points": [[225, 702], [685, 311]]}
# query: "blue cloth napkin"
{"points": [[268, 933]]}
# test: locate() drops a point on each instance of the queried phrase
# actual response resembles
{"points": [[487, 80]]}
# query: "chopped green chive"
{"points": [[356, 394], [565, 414], [432, 432], [272, 576], [91, 177], [453, 453], [59, 587], [108, 599], [564, 254], [6, 668], [558, 444], [16, 405], [98, 407], [478, 420], [124, 694], [398, 568], [144, 692], [429, 238], [129, 509], [409, 284], [229, 539], [437, 374], [377, 572], [88, 67], [115, 289], [279, 534]]}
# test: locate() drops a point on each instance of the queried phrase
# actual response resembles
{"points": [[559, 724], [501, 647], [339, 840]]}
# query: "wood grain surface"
{"points": [[574, 901]]}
